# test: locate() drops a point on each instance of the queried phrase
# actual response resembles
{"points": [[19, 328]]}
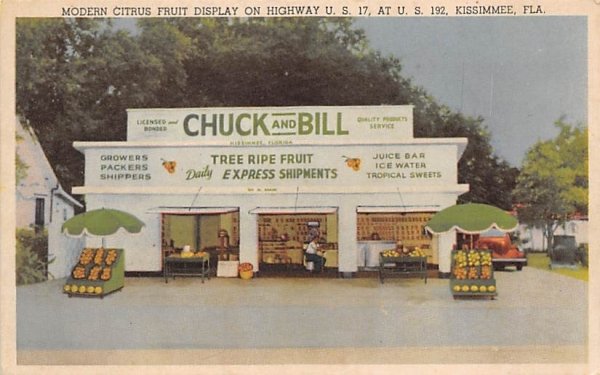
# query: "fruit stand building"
{"points": [[255, 184]]}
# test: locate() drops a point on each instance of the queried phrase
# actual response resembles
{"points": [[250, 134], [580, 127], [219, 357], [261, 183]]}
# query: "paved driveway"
{"points": [[534, 309]]}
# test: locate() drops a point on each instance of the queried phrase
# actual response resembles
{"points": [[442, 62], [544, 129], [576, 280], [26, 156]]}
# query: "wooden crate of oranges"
{"points": [[98, 272]]}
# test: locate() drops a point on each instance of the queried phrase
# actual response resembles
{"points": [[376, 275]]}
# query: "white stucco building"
{"points": [[42, 203], [267, 177], [533, 238]]}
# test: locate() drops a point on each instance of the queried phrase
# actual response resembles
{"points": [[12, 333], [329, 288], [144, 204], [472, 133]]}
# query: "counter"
{"points": [[176, 265], [368, 252]]}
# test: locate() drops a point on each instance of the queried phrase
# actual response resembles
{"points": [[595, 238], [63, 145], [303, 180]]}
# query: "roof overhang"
{"points": [[397, 209], [180, 210], [293, 210], [60, 192], [460, 142]]}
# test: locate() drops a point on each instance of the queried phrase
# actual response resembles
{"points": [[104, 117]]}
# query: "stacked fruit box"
{"points": [[98, 272], [472, 273]]}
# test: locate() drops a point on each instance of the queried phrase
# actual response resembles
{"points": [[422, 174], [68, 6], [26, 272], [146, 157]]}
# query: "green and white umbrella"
{"points": [[102, 222], [471, 218]]}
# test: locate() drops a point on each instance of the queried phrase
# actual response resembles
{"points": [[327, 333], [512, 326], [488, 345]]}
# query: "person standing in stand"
{"points": [[313, 254], [401, 249]]}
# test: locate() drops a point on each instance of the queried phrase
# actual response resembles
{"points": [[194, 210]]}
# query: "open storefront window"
{"points": [[215, 231], [379, 230], [283, 236]]}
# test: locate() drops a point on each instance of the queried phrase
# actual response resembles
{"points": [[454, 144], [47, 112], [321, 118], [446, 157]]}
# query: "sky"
{"points": [[520, 74]]}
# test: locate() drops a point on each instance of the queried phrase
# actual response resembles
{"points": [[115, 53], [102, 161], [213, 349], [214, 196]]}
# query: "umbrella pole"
{"points": [[103, 242]]}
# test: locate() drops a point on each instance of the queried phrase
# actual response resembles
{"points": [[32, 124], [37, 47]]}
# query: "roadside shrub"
{"points": [[30, 263]]}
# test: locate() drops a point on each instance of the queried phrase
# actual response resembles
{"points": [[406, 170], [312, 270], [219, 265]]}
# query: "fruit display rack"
{"points": [[472, 274], [392, 263], [97, 273]]}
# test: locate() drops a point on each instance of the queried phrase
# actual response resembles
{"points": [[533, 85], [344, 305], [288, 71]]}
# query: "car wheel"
{"points": [[519, 267]]}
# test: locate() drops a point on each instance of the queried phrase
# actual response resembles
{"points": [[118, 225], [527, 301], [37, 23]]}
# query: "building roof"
{"points": [[40, 178]]}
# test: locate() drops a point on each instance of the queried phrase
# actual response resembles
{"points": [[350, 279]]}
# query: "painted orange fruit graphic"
{"points": [[353, 163], [169, 165]]}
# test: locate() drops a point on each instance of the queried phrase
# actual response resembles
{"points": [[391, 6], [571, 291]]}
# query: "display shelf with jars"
{"points": [[283, 237]]}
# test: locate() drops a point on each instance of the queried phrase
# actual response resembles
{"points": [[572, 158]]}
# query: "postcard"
{"points": [[241, 186]]}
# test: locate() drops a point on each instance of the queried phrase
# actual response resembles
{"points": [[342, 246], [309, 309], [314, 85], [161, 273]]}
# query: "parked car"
{"points": [[504, 252], [565, 251], [583, 254]]}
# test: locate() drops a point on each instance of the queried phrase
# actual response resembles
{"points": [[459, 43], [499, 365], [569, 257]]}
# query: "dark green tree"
{"points": [[74, 80], [51, 71]]}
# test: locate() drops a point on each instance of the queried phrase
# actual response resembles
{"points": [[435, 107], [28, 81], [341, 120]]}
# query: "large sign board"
{"points": [[272, 167], [268, 126]]}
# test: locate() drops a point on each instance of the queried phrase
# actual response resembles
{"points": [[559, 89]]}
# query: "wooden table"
{"points": [[402, 265], [176, 265]]}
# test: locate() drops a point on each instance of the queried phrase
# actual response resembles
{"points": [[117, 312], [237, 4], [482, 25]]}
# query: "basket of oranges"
{"points": [[246, 270]]}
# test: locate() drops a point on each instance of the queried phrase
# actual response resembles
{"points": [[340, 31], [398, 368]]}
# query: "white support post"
{"points": [[347, 238], [445, 243], [248, 237]]}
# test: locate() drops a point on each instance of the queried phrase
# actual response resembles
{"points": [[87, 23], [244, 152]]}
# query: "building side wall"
{"points": [[25, 209], [535, 240], [41, 182], [64, 250]]}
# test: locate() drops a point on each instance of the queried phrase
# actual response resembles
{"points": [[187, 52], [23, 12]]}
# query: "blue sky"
{"points": [[519, 73]]}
